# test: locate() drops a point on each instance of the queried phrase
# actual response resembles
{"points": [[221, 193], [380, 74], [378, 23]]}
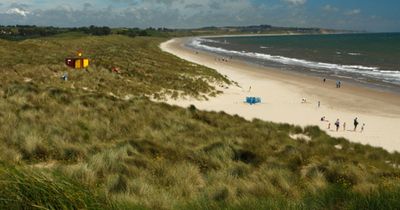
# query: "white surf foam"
{"points": [[372, 72], [354, 54]]}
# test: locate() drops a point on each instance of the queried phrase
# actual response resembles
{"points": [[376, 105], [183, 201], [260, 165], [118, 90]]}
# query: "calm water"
{"points": [[371, 59]]}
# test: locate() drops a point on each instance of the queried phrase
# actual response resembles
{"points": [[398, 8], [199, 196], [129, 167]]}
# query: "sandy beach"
{"points": [[282, 94]]}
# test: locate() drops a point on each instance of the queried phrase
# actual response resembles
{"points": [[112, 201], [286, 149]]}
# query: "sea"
{"points": [[367, 59]]}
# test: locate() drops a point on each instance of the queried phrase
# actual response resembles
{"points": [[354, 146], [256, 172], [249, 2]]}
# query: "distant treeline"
{"points": [[93, 30], [28, 31], [17, 32], [133, 32]]}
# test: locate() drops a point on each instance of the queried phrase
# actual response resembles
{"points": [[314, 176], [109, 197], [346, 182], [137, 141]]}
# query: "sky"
{"points": [[368, 15]]}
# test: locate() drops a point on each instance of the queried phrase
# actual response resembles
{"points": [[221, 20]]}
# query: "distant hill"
{"points": [[269, 29], [19, 32]]}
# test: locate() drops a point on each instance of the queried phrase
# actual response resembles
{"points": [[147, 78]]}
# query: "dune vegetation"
{"points": [[100, 141]]}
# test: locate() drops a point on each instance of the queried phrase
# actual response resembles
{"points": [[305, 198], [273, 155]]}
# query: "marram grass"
{"points": [[96, 141]]}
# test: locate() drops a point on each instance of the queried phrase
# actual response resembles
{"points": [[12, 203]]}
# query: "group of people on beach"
{"points": [[337, 124], [223, 59], [338, 83]]}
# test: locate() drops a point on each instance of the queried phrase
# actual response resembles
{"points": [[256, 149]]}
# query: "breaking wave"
{"points": [[354, 54], [392, 76]]}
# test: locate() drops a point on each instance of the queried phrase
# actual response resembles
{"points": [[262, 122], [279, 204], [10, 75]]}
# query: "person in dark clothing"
{"points": [[355, 124], [337, 124]]}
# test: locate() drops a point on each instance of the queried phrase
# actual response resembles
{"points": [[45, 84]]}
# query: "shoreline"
{"points": [[301, 67], [291, 72], [282, 92]]}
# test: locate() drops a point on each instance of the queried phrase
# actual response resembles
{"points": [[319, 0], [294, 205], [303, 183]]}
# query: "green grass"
{"points": [[144, 69], [31, 189], [75, 145], [333, 197]]}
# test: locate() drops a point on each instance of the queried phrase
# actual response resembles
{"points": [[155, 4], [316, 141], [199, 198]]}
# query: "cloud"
{"points": [[353, 12], [330, 8], [17, 11], [19, 5], [296, 2], [188, 13]]}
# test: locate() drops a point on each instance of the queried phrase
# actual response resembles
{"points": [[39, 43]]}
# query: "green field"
{"points": [[98, 141]]}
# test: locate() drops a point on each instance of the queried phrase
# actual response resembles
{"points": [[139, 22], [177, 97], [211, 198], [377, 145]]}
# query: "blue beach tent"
{"points": [[253, 100]]}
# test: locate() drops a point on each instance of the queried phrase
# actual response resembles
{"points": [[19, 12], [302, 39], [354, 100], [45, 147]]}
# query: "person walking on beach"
{"points": [[355, 124], [340, 84], [319, 104], [344, 126], [324, 80], [329, 126], [337, 124], [362, 128]]}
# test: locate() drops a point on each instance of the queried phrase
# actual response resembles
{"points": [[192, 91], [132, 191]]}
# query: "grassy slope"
{"points": [[130, 151], [145, 71]]}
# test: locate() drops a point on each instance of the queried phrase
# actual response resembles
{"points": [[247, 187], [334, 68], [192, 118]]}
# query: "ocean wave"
{"points": [[209, 40], [374, 72], [354, 54]]}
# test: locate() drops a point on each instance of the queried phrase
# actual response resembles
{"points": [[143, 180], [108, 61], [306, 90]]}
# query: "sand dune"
{"points": [[282, 93]]}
